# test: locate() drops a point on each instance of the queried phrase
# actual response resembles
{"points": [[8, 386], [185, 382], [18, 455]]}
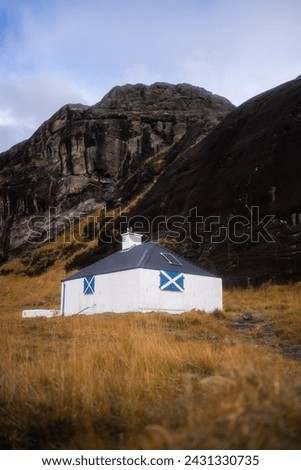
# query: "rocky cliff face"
{"points": [[252, 159], [83, 156], [224, 181]]}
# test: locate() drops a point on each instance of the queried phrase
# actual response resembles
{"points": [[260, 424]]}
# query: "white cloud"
{"points": [[6, 118], [249, 47], [60, 51], [140, 73], [26, 102]]}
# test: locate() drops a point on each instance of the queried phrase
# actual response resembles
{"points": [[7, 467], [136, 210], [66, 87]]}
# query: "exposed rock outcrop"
{"points": [[252, 159], [81, 155], [235, 172]]}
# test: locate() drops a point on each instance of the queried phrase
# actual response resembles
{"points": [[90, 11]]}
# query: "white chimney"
{"points": [[130, 239]]}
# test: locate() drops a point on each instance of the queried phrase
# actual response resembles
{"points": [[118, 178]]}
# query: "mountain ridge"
{"points": [[241, 165], [76, 159]]}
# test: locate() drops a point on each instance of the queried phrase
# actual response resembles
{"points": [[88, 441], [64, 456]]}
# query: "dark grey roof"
{"points": [[147, 256]]}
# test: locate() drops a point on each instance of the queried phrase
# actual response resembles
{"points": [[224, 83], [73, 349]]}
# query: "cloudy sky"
{"points": [[54, 52]]}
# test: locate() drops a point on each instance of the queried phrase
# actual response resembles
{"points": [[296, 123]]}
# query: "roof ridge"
{"points": [[148, 254]]}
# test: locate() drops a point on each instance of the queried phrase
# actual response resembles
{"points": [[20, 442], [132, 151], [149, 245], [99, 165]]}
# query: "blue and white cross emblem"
{"points": [[172, 280], [89, 285]]}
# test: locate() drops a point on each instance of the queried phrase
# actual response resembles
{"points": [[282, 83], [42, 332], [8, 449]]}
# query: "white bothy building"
{"points": [[142, 277]]}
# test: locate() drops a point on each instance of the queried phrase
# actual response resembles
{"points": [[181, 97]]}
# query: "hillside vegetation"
{"points": [[230, 380], [150, 381]]}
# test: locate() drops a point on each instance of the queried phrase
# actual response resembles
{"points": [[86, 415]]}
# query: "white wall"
{"points": [[138, 290], [115, 292], [200, 292]]}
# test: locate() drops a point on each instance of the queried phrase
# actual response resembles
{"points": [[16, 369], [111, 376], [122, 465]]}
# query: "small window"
{"points": [[171, 259], [89, 285]]}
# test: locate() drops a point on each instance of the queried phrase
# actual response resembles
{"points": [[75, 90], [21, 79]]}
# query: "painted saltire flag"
{"points": [[172, 280], [89, 285]]}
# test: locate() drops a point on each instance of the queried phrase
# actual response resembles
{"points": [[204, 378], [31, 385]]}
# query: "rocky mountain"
{"points": [[244, 180], [88, 155], [183, 163]]}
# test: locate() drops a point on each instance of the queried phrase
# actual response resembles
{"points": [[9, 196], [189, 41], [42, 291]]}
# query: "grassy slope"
{"points": [[150, 380]]}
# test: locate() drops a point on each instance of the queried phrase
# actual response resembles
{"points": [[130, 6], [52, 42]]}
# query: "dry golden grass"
{"points": [[149, 381], [276, 311], [19, 292]]}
